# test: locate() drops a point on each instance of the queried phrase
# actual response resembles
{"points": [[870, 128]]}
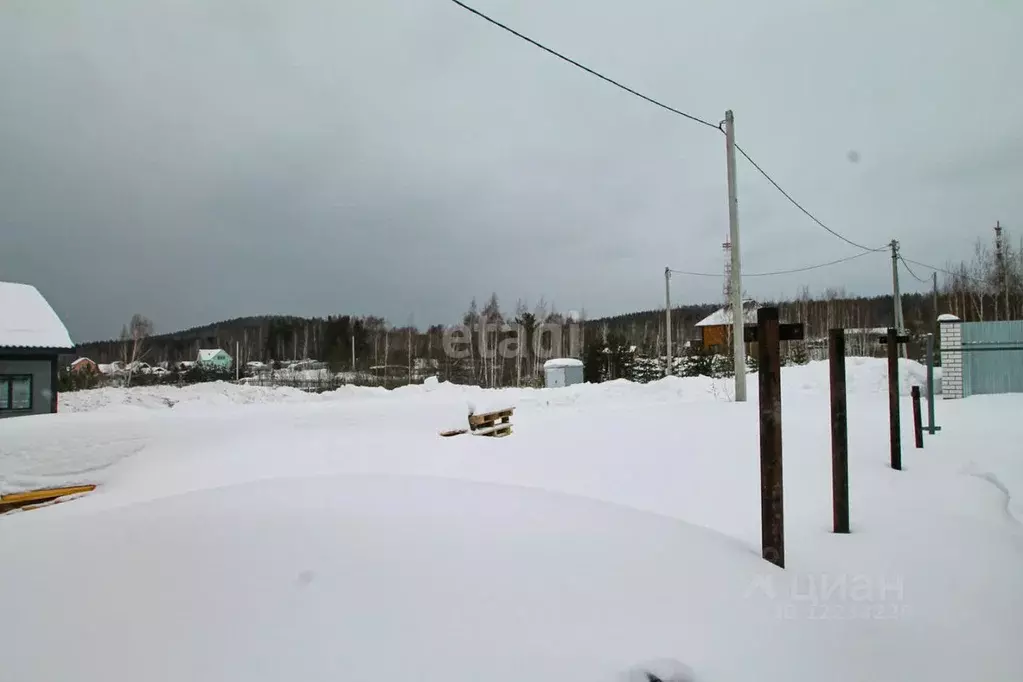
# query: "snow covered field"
{"points": [[255, 534]]}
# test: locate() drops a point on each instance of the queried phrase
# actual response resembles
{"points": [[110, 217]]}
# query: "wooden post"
{"points": [[772, 524], [894, 426], [839, 432], [918, 428]]}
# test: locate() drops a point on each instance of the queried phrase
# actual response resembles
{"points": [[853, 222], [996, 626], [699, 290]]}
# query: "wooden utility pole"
{"points": [[738, 315]]}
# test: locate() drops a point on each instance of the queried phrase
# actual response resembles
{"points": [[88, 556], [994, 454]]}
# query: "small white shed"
{"points": [[562, 372]]}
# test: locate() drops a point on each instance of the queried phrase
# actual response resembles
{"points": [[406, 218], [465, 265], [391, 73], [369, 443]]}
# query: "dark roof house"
{"points": [[31, 339]]}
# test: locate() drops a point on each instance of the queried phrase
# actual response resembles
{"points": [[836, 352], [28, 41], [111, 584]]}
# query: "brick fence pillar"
{"points": [[951, 360]]}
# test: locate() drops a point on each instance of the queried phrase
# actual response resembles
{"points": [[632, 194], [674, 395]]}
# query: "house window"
{"points": [[15, 392]]}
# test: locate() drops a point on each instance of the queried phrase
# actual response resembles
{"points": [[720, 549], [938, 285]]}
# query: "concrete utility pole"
{"points": [[738, 314], [900, 325], [667, 318]]}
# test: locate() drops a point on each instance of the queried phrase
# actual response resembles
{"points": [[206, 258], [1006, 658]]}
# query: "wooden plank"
{"points": [[489, 423], [44, 494], [477, 419], [453, 432], [786, 332], [502, 429]]}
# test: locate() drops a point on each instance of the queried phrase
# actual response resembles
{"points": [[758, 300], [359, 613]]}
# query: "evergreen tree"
{"points": [[798, 354], [699, 364], [722, 366], [752, 363], [593, 362], [646, 370]]}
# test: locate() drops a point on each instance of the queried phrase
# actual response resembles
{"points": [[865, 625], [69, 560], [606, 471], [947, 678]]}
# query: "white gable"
{"points": [[723, 316], [28, 321]]}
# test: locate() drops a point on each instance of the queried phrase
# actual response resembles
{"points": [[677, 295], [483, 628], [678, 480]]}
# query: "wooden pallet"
{"points": [[30, 499], [496, 424]]}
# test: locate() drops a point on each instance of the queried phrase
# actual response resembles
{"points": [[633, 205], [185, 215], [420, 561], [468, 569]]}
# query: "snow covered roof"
{"points": [[28, 321], [562, 362], [207, 354], [724, 315], [947, 317], [79, 361]]}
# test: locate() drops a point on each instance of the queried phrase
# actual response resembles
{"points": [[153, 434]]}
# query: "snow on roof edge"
{"points": [[562, 362], [27, 320]]}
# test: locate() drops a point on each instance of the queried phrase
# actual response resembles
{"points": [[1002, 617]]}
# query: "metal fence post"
{"points": [[931, 428]]}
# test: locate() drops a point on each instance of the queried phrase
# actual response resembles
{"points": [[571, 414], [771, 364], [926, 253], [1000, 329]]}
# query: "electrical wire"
{"points": [[942, 270], [910, 270], [585, 68], [801, 208], [778, 272], [673, 110]]}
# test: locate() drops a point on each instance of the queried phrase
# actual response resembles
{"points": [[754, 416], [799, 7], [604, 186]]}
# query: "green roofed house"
{"points": [[214, 358]]}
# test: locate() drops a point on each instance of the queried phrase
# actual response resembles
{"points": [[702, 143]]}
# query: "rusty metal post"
{"points": [[772, 525], [894, 425], [918, 427], [839, 432]]}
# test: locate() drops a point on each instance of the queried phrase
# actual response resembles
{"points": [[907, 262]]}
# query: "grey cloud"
{"points": [[194, 161]]}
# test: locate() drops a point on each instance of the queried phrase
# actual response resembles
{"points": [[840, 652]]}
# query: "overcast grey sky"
{"points": [[197, 160]]}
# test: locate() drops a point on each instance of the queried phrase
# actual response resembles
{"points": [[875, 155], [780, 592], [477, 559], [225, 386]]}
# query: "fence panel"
{"points": [[992, 357]]}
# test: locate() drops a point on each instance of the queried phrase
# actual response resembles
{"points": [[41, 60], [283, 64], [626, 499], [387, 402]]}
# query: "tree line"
{"points": [[495, 347]]}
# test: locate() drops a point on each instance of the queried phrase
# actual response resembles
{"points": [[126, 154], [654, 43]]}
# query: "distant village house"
{"points": [[214, 358], [716, 328], [84, 366]]}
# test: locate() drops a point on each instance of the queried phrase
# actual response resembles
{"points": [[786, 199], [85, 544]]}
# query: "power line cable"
{"points": [[963, 275], [666, 107], [777, 272], [585, 68], [910, 270], [801, 208]]}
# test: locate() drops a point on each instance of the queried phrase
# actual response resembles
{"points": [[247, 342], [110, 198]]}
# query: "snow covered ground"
{"points": [[264, 534]]}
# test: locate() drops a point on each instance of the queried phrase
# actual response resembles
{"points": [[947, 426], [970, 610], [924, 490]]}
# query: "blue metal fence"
{"points": [[992, 357]]}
